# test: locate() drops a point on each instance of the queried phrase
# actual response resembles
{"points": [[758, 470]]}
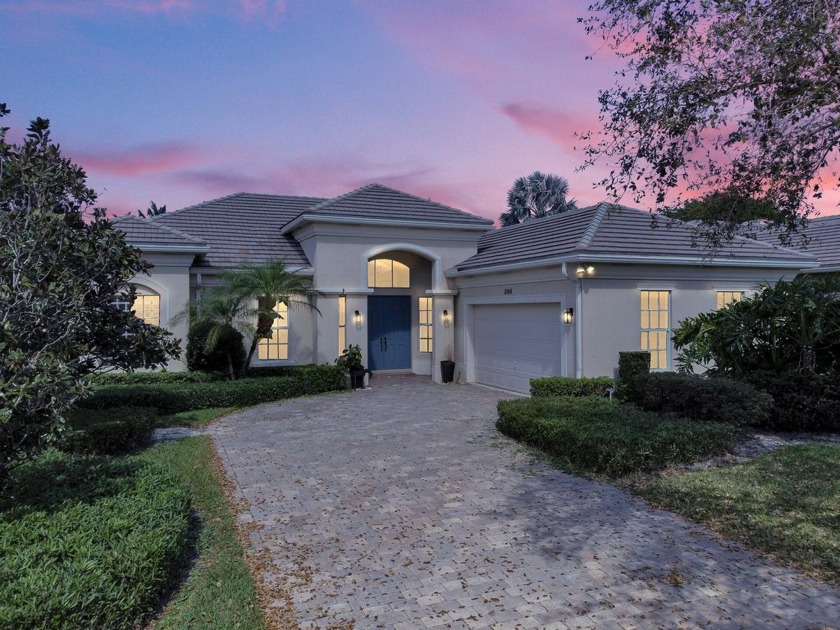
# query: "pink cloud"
{"points": [[559, 126], [142, 160], [94, 7], [269, 10]]}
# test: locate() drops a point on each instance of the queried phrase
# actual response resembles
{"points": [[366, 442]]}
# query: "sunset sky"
{"points": [[181, 101]]}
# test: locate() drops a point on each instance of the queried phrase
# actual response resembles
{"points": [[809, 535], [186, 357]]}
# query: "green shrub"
{"points": [[630, 365], [177, 397], [89, 542], [565, 386], [601, 436], [605, 437], [144, 378], [107, 432], [217, 361], [801, 402], [701, 398]]}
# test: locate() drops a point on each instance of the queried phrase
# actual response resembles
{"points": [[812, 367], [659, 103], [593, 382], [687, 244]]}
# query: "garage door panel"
{"points": [[514, 343]]}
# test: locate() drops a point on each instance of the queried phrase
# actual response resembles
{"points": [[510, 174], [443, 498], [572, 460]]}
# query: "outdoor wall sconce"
{"points": [[569, 316], [357, 319], [447, 318]]}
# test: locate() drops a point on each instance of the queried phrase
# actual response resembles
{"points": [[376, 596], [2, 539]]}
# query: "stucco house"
{"points": [[414, 282]]}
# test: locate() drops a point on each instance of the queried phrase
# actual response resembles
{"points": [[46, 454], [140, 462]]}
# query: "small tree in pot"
{"points": [[351, 359]]}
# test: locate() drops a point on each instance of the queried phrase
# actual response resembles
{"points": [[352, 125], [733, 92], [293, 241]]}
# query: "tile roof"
{"points": [[243, 227], [823, 240], [375, 201], [142, 232], [613, 232]]}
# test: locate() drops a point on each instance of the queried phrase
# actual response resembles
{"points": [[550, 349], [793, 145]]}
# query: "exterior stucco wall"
{"points": [[532, 286], [610, 306], [170, 279]]}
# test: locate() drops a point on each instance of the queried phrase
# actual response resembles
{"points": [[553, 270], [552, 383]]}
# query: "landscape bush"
{"points": [[147, 378], [229, 345], [88, 541], [801, 402], [106, 432], [605, 437], [630, 365], [701, 398], [176, 397], [566, 386]]}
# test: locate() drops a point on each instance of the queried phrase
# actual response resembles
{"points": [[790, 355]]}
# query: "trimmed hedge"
{"points": [[177, 397], [89, 542], [106, 433], [601, 436], [630, 365], [701, 398], [801, 402], [155, 378], [566, 386]]}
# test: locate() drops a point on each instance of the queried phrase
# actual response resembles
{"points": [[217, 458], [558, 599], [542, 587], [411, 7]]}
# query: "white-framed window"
{"points": [[277, 347], [655, 326], [147, 307], [727, 297], [425, 324], [384, 273], [342, 324]]}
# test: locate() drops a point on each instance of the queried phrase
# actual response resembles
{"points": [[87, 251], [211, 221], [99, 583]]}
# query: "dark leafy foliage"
{"points": [[63, 268], [226, 351], [536, 196], [701, 398], [88, 542], [801, 402], [108, 432], [630, 365], [737, 97], [786, 327], [609, 438], [566, 386]]}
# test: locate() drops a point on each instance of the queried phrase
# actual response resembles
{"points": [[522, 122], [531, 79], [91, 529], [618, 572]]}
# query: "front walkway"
{"points": [[402, 507]]}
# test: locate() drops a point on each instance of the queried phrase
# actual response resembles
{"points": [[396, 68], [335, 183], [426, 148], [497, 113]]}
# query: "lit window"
{"points": [[425, 321], [655, 327], [277, 347], [147, 308], [728, 297], [385, 273], [342, 324]]}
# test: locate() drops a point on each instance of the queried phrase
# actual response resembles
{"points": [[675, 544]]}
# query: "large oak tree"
{"points": [[740, 97]]}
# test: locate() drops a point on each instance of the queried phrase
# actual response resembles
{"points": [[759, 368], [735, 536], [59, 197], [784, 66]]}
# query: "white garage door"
{"points": [[514, 343]]}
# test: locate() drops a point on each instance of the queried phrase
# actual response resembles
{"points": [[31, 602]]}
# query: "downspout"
{"points": [[578, 315]]}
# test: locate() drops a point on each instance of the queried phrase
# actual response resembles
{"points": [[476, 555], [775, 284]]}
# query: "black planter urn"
{"points": [[447, 371]]}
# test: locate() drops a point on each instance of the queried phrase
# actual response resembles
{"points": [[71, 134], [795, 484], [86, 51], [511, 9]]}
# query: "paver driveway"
{"points": [[401, 507]]}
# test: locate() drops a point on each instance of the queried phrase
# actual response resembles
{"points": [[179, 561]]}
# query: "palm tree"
{"points": [[536, 196], [224, 312], [269, 283]]}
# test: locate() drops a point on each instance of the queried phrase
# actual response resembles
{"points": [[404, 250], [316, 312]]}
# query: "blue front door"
{"points": [[389, 332]]}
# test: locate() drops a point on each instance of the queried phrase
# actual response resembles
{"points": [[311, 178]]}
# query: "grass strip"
{"points": [[785, 503], [195, 418], [219, 592]]}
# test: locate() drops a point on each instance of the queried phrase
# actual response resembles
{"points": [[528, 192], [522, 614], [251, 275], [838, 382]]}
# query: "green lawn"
{"points": [[219, 592], [785, 503]]}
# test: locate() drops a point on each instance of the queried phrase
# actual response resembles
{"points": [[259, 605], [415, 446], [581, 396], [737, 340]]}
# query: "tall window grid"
{"points": [[276, 348], [342, 324], [655, 313], [725, 298], [425, 321], [147, 308]]}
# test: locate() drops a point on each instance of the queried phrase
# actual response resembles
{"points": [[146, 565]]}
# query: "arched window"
{"points": [[147, 305], [384, 273]]}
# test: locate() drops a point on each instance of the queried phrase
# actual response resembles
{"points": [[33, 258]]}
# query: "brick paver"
{"points": [[402, 507]]}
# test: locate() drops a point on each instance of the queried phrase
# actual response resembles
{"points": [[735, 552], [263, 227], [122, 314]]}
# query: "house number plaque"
{"points": [[508, 291]]}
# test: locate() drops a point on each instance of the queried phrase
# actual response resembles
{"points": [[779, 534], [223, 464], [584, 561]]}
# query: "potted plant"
{"points": [[447, 367], [351, 359]]}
